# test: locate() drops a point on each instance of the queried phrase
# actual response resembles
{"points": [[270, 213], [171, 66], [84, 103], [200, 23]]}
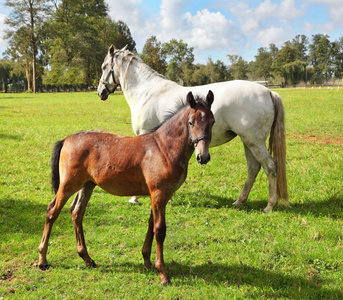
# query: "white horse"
{"points": [[242, 108]]}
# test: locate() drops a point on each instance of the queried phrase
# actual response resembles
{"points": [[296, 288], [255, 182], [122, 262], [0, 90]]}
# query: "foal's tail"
{"points": [[55, 160], [277, 147]]}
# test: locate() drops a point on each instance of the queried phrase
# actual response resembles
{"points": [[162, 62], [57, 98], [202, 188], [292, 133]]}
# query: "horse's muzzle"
{"points": [[103, 95], [203, 158]]}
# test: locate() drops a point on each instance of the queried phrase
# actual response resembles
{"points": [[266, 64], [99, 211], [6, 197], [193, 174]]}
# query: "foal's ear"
{"points": [[191, 100], [124, 48], [210, 98], [111, 50]]}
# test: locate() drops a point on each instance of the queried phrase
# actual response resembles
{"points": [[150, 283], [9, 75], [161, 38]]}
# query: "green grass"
{"points": [[212, 250]]}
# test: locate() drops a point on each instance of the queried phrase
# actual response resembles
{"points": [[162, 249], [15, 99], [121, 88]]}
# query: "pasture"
{"points": [[212, 250]]}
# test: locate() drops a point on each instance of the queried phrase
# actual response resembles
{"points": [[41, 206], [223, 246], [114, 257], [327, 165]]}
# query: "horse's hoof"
{"points": [[237, 204], [134, 202], [268, 209], [43, 267], [91, 264]]}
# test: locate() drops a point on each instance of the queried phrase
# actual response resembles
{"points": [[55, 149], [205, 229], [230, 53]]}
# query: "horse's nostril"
{"points": [[203, 159]]}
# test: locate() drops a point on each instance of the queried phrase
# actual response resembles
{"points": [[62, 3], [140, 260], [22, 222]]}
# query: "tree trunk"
{"points": [[34, 72]]}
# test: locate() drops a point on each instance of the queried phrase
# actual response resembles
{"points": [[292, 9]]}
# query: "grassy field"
{"points": [[212, 250]]}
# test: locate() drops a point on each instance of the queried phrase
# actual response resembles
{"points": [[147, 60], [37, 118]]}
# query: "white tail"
{"points": [[277, 147]]}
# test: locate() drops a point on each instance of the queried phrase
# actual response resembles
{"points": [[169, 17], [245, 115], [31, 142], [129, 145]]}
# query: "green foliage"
{"points": [[239, 67], [212, 250], [263, 64], [152, 55], [180, 58]]}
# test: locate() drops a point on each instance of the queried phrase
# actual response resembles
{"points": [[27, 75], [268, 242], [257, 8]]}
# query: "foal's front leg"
{"points": [[158, 205]]}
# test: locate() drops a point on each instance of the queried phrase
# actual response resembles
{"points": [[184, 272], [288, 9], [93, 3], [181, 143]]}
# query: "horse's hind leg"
{"points": [[77, 209], [263, 156], [253, 167], [134, 200], [53, 211]]}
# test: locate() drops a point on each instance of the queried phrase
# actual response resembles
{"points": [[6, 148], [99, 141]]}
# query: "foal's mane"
{"points": [[180, 106]]}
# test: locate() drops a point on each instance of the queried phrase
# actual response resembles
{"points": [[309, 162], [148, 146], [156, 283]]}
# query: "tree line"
{"points": [[62, 44]]}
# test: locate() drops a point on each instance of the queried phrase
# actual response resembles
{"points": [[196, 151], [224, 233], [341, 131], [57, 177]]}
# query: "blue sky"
{"points": [[216, 28]]}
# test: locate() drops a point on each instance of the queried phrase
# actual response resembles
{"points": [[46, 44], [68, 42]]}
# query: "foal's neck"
{"points": [[174, 134]]}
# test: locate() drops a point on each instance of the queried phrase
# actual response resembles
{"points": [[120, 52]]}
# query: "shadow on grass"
{"points": [[19, 216], [10, 136], [272, 283], [331, 207]]}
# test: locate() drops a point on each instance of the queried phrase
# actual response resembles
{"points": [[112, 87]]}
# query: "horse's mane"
{"points": [[128, 55]]}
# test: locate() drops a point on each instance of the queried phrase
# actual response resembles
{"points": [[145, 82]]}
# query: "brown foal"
{"points": [[152, 164]]}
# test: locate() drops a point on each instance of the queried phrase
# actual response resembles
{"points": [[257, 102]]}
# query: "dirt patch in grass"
{"points": [[312, 138], [8, 275]]}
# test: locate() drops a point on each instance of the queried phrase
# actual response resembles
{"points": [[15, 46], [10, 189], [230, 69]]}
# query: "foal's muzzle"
{"points": [[203, 158]]}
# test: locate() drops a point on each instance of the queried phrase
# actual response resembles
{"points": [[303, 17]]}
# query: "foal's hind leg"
{"points": [[53, 211], [146, 250], [77, 209], [253, 167]]}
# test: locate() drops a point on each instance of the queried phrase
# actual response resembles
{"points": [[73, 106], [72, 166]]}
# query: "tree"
{"points": [[152, 55], [180, 58], [239, 67], [6, 66], [288, 66], [320, 50], [123, 36], [27, 16], [300, 45], [216, 72], [263, 64], [78, 36], [337, 58]]}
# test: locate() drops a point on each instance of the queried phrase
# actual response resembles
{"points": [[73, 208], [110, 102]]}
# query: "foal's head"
{"points": [[200, 122]]}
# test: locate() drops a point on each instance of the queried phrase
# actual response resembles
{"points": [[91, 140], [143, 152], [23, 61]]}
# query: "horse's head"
{"points": [[200, 122], [109, 79]]}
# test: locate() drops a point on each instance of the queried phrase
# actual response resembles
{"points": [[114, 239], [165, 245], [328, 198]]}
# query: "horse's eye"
{"points": [[190, 123]]}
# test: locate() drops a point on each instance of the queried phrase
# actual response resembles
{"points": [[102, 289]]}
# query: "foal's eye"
{"points": [[190, 123]]}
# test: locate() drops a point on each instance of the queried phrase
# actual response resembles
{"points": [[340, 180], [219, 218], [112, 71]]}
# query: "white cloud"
{"points": [[267, 13], [129, 12], [210, 30], [171, 12], [3, 43], [265, 37]]}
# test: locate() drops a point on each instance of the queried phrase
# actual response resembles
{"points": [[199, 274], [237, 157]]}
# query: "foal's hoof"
{"points": [[91, 264], [148, 265], [165, 281], [43, 267]]}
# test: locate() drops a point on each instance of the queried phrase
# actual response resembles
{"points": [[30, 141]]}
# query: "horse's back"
{"points": [[240, 107]]}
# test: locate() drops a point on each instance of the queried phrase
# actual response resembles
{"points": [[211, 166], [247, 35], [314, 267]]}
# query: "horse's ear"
{"points": [[191, 100], [111, 50], [210, 98], [124, 48]]}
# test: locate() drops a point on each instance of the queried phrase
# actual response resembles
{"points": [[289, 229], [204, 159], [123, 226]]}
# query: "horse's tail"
{"points": [[55, 160], [277, 147]]}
